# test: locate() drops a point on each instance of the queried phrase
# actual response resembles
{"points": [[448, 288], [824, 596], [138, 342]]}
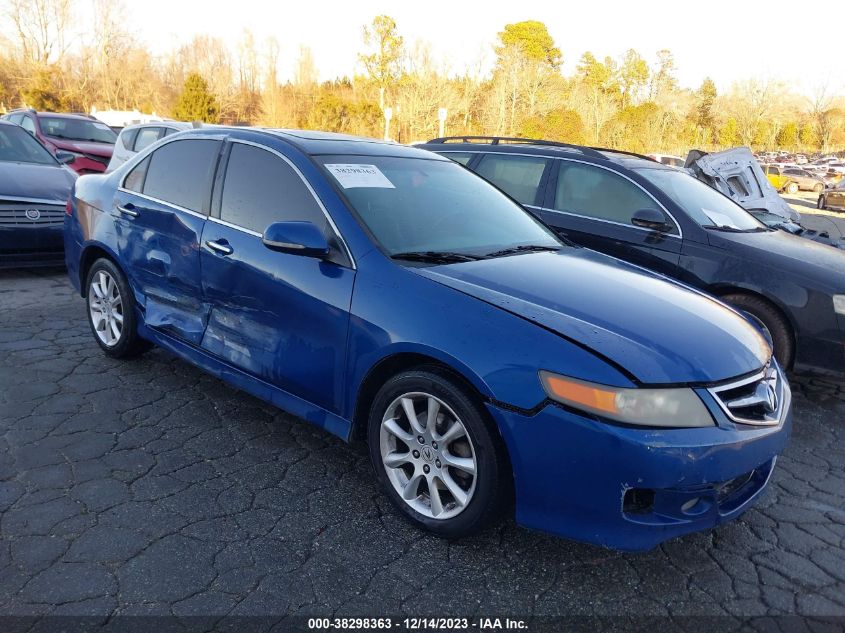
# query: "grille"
{"points": [[758, 400], [15, 214]]}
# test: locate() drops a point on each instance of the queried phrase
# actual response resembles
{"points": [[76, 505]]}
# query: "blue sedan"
{"points": [[387, 294], [34, 189]]}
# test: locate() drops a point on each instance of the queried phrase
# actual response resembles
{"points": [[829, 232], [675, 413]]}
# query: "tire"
{"points": [[818, 187], [772, 320], [791, 188], [820, 202], [111, 311], [419, 462]]}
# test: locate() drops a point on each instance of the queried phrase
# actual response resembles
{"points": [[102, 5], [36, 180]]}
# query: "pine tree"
{"points": [[196, 103]]}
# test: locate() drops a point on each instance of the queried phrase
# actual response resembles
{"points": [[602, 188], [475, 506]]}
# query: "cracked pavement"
{"points": [[150, 488]]}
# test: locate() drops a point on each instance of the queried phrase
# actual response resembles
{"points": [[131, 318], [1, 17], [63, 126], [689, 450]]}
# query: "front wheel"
{"points": [[820, 202], [771, 321], [792, 188], [111, 311], [435, 455], [818, 187]]}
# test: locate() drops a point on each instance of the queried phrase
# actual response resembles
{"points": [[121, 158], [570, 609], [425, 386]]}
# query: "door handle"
{"points": [[219, 247], [127, 210]]}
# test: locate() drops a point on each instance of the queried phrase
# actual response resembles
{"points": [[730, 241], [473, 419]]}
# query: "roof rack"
{"points": [[497, 140], [622, 151]]}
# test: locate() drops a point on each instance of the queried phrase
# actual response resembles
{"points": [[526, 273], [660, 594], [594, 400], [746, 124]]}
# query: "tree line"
{"points": [[629, 102]]}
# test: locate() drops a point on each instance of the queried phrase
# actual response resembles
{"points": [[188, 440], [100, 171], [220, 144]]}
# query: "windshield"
{"points": [[77, 129], [18, 146], [706, 206], [433, 206]]}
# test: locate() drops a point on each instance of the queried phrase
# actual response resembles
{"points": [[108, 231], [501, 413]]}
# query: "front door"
{"points": [[281, 317], [593, 206], [160, 213]]}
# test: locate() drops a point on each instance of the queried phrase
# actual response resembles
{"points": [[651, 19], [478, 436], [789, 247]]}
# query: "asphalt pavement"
{"points": [[148, 487]]}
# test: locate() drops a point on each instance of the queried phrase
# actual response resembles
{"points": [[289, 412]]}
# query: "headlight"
{"points": [[670, 408], [839, 304]]}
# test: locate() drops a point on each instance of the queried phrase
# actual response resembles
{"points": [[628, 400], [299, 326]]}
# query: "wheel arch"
{"points": [[721, 291], [90, 254]]}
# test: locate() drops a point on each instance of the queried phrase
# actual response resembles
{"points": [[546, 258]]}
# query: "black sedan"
{"points": [[34, 188], [634, 208]]}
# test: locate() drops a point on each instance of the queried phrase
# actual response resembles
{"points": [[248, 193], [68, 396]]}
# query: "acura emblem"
{"points": [[32, 214]]}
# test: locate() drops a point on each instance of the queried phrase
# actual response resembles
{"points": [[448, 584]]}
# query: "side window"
{"points": [[14, 118], [260, 188], [459, 157], [146, 137], [127, 137], [135, 180], [168, 131], [28, 124], [180, 173], [598, 193], [518, 176]]}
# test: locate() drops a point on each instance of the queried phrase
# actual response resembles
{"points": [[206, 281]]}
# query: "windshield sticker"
{"points": [[351, 175], [720, 219]]}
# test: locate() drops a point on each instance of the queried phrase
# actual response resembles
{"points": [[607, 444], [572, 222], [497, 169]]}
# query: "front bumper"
{"points": [[631, 489], [35, 245]]}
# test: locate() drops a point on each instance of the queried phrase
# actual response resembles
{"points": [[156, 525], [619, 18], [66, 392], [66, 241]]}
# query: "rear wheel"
{"points": [[820, 202], [818, 187], [771, 321], [111, 311], [435, 455], [792, 188]]}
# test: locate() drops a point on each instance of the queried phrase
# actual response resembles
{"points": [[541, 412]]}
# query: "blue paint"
{"points": [[305, 332]]}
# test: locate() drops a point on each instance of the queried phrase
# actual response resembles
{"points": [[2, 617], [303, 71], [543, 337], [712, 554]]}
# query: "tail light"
{"points": [[69, 207]]}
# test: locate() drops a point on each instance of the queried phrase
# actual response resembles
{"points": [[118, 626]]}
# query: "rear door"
{"points": [[281, 317], [593, 206], [161, 210]]}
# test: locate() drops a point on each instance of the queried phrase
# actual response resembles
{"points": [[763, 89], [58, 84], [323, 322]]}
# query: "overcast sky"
{"points": [[728, 40]]}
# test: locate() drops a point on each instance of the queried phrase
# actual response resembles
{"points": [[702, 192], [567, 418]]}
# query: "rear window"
{"points": [[180, 173], [518, 176]]}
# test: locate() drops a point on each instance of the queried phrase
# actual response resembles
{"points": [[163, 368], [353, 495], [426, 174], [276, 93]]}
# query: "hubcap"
{"points": [[428, 455], [105, 308]]}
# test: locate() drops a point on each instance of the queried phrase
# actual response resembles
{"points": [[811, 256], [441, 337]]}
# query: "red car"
{"points": [[89, 140]]}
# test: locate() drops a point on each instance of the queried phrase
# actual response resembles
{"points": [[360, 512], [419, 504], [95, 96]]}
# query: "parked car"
{"points": [[833, 198], [134, 138], [387, 293], [631, 207], [34, 188], [90, 141], [804, 179], [780, 180], [832, 178], [668, 159]]}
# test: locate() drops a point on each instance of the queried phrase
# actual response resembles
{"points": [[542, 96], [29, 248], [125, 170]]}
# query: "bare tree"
{"points": [[43, 28]]}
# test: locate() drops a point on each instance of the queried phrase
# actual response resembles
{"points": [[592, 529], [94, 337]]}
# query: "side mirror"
{"points": [[650, 219], [65, 158], [296, 238]]}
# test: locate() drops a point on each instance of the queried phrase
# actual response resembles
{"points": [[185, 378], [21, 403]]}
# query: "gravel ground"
{"points": [[148, 487]]}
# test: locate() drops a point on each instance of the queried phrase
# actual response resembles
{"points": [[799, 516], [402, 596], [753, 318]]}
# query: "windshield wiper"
{"points": [[732, 229], [436, 257], [525, 248]]}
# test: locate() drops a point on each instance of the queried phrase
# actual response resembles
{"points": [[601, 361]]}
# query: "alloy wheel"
{"points": [[105, 307], [428, 455]]}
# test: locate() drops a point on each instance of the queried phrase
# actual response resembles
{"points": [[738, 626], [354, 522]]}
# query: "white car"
{"points": [[134, 138]]}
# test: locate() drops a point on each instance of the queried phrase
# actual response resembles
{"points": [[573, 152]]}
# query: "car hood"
{"points": [[788, 253], [96, 149], [27, 181], [658, 331]]}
